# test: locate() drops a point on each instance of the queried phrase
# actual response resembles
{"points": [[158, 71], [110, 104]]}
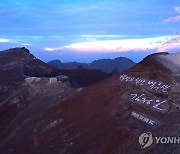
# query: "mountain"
{"points": [[106, 65], [56, 63], [74, 65], [67, 66], [18, 63], [107, 117]]}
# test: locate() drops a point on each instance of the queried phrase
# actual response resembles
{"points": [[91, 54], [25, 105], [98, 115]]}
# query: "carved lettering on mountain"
{"points": [[151, 85], [147, 98]]}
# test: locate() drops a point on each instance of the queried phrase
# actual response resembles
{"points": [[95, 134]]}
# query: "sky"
{"points": [[83, 31]]}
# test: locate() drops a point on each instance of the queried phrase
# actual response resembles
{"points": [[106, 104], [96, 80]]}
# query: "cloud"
{"points": [[26, 44], [2, 40], [160, 44], [15, 40], [177, 9], [52, 49], [172, 19], [173, 42]]}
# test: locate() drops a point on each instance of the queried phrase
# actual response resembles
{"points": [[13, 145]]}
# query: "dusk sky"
{"points": [[85, 30]]}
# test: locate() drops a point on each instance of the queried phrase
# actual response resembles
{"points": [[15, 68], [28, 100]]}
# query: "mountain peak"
{"points": [[170, 61], [17, 53], [17, 63]]}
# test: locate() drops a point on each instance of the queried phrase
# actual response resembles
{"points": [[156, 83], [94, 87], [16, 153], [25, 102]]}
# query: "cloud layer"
{"points": [[161, 44], [2, 40]]}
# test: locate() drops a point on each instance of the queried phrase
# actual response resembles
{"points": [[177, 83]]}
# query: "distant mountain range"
{"points": [[106, 65]]}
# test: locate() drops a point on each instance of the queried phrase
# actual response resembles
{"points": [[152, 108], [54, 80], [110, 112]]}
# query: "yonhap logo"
{"points": [[145, 140]]}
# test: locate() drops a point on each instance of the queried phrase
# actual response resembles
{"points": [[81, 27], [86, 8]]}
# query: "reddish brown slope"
{"points": [[103, 118]]}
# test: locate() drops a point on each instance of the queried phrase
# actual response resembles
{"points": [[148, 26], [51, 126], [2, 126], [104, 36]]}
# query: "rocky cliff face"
{"points": [[107, 117]]}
